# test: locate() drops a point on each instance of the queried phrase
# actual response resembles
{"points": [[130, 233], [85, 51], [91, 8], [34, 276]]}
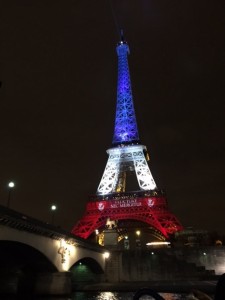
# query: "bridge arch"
{"points": [[48, 247], [86, 270], [61, 255], [21, 264], [151, 221], [55, 250], [19, 255]]}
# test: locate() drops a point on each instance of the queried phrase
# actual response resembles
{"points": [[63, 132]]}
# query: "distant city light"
{"points": [[157, 243], [138, 232]]}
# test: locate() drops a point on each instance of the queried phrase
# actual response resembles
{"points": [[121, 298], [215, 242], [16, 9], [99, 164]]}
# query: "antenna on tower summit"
{"points": [[121, 35]]}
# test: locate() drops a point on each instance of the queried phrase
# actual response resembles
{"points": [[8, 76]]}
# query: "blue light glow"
{"points": [[125, 130]]}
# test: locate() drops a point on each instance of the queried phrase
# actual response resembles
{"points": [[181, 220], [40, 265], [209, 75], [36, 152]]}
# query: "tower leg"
{"points": [[144, 176], [109, 178]]}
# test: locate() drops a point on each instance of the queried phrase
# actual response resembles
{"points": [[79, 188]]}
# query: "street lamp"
{"points": [[11, 185], [96, 235], [53, 208], [106, 255], [138, 241]]}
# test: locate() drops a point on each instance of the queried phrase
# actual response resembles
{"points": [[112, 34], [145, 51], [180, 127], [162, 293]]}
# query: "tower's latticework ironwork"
{"points": [[112, 200]]}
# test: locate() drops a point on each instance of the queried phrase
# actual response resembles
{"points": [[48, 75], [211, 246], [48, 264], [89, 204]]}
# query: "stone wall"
{"points": [[165, 264], [212, 258]]}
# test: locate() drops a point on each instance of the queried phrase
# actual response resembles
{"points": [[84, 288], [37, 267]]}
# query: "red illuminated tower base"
{"points": [[139, 206]]}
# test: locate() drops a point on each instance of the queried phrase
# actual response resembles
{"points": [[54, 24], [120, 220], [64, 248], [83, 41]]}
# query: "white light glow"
{"points": [[53, 207], [157, 243], [106, 255], [11, 184], [106, 296], [65, 252], [62, 243], [65, 266]]}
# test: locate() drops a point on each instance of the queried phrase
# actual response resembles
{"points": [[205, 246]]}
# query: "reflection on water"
{"points": [[114, 296], [107, 296], [123, 296]]}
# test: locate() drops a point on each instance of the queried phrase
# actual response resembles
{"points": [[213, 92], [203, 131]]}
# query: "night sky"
{"points": [[58, 67]]}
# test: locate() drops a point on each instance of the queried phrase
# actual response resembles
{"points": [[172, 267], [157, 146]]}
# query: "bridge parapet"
{"points": [[61, 247], [19, 221]]}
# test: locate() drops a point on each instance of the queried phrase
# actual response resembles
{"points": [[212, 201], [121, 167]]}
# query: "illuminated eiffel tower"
{"points": [[113, 205]]}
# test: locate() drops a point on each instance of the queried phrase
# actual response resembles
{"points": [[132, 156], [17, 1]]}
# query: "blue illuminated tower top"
{"points": [[125, 130]]}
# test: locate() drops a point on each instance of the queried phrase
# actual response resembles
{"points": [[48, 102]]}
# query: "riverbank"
{"points": [[176, 286]]}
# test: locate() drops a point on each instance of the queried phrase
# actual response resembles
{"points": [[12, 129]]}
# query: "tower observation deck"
{"points": [[113, 201]]}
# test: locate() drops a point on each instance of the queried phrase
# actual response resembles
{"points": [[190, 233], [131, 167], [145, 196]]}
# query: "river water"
{"points": [[118, 296], [123, 296]]}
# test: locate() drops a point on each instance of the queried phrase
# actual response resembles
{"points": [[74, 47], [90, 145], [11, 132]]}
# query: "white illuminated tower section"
{"points": [[127, 154]]}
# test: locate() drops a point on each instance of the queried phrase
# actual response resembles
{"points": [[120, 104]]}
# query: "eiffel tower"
{"points": [[113, 206]]}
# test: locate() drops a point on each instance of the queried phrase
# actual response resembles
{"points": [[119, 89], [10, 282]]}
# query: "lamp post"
{"points": [[11, 185], [138, 233], [138, 241], [53, 208]]}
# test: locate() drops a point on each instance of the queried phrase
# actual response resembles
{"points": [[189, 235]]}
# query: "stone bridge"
{"points": [[30, 247], [38, 258]]}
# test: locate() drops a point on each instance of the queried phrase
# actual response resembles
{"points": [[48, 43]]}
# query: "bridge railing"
{"points": [[19, 221]]}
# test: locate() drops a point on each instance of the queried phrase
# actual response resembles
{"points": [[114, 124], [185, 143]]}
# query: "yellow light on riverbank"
{"points": [[106, 255], [138, 232], [158, 243]]}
